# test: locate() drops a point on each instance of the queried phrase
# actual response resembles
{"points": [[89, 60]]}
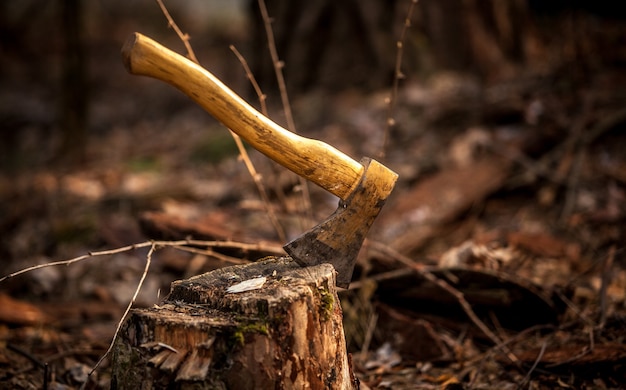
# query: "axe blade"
{"points": [[339, 238]]}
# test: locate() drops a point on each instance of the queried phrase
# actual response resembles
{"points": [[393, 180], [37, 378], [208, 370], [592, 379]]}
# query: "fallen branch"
{"points": [[428, 275], [183, 245]]}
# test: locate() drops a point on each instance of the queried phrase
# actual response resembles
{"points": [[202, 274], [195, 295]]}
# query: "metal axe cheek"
{"points": [[362, 187]]}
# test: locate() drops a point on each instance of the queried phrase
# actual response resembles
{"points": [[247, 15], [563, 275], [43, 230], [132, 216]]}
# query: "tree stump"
{"points": [[283, 331]]}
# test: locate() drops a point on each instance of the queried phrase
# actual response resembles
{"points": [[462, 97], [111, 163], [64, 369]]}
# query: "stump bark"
{"points": [[284, 332]]}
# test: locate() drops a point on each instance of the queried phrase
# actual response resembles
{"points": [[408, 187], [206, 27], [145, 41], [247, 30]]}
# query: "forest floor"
{"points": [[498, 262]]}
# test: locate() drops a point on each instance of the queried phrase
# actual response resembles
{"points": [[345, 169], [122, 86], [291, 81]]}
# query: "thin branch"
{"points": [[257, 88], [212, 253], [75, 260], [278, 66], [607, 269], [282, 86], [539, 357], [179, 244], [465, 305], [280, 194], [572, 306], [467, 308], [369, 334], [259, 246], [390, 122], [586, 350], [518, 336], [130, 305], [243, 153], [39, 363], [183, 37], [258, 181]]}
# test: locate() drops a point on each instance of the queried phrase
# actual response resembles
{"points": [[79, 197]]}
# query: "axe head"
{"points": [[339, 238]]}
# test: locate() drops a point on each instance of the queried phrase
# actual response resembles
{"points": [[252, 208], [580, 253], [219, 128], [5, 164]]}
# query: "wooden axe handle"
{"points": [[309, 158]]}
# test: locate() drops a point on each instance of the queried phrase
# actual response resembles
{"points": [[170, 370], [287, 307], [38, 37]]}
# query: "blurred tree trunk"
{"points": [[346, 44], [342, 44], [73, 110], [444, 24], [327, 44], [477, 36]]}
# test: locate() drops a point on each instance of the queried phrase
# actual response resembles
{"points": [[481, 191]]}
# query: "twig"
{"points": [[583, 352], [183, 37], [467, 308], [262, 101], [582, 137], [606, 280], [130, 305], [518, 336], [259, 246], [496, 324], [573, 181], [33, 359], [257, 178], [257, 88], [282, 87], [243, 153], [572, 306], [390, 122], [486, 356], [74, 260], [369, 334], [539, 168], [209, 252], [542, 166], [180, 245], [389, 275], [539, 356], [278, 66]]}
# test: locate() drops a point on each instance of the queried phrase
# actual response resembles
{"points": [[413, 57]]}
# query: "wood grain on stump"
{"points": [[284, 333]]}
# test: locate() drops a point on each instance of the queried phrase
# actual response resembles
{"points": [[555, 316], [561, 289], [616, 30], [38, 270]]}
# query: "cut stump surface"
{"points": [[284, 331]]}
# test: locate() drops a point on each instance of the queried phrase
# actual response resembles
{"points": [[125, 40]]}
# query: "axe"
{"points": [[362, 187]]}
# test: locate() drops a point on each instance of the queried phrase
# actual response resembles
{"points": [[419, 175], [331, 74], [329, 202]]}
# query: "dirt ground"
{"points": [[497, 263]]}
